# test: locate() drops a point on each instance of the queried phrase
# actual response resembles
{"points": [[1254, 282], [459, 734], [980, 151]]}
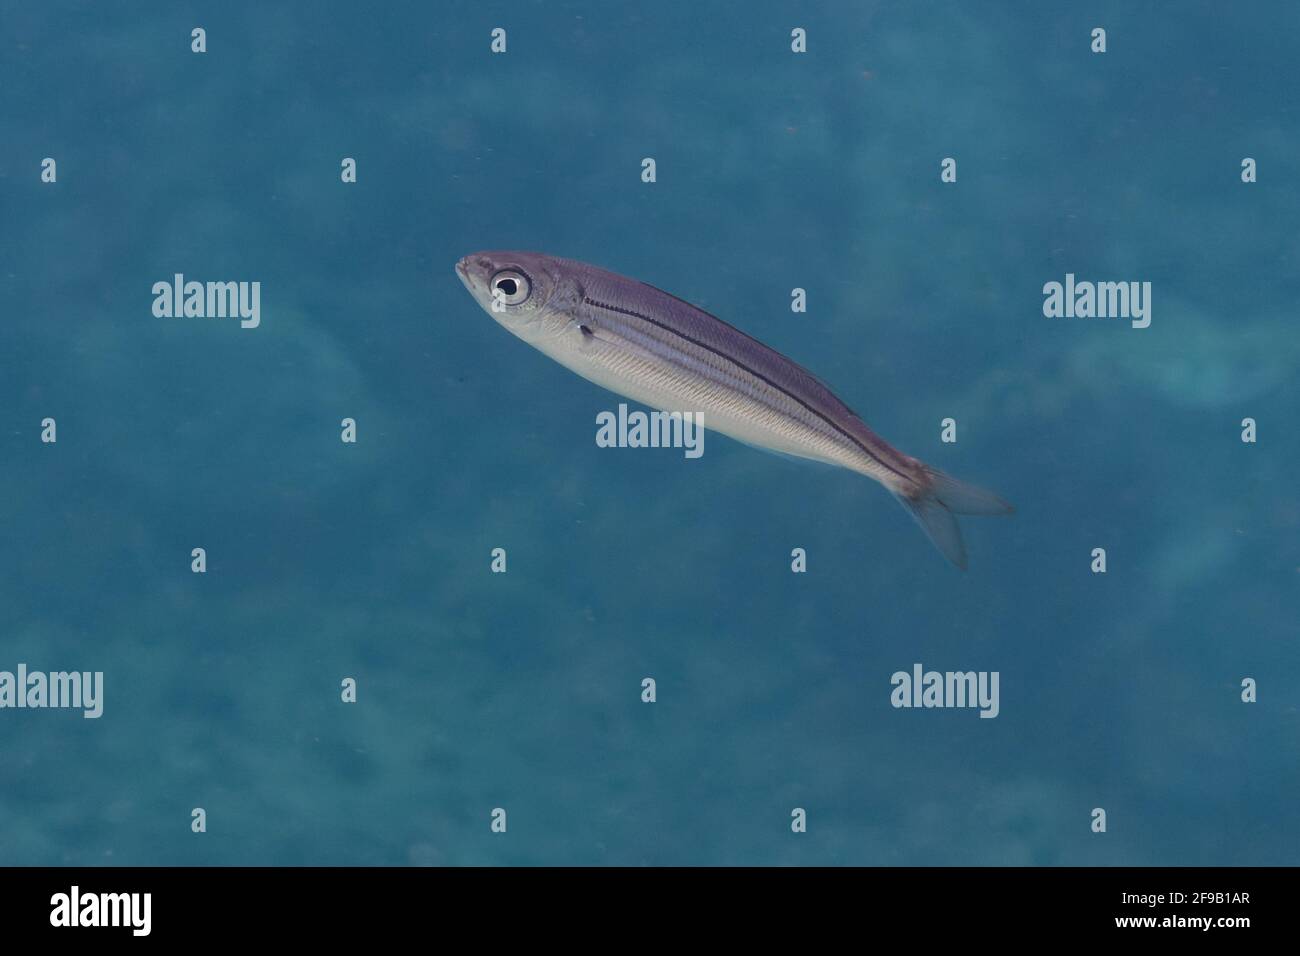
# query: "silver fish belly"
{"points": [[654, 348]]}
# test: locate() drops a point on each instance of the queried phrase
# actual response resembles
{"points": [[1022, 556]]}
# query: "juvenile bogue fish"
{"points": [[653, 348]]}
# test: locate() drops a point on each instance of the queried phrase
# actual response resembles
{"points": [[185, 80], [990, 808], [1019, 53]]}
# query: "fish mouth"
{"points": [[463, 267]]}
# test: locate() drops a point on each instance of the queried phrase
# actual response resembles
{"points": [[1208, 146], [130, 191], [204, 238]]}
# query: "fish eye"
{"points": [[510, 286]]}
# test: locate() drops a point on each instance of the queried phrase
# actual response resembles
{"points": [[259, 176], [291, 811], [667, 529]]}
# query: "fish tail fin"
{"points": [[934, 501]]}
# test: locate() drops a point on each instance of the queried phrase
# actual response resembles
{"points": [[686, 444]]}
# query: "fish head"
{"points": [[529, 293]]}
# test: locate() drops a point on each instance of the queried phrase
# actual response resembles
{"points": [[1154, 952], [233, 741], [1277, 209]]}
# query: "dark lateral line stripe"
{"points": [[758, 375]]}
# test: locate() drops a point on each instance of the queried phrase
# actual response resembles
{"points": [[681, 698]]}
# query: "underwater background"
{"points": [[522, 690]]}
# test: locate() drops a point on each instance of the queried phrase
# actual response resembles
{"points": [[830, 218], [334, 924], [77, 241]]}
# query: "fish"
{"points": [[656, 349]]}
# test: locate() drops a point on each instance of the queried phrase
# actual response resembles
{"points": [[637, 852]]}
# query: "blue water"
{"points": [[327, 560]]}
